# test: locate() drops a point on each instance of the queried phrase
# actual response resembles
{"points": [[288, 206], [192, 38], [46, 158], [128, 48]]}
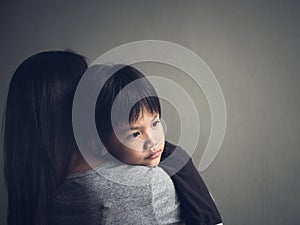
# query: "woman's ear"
{"points": [[103, 151]]}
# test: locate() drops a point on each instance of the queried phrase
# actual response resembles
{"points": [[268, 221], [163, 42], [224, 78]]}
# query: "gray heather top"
{"points": [[115, 193]]}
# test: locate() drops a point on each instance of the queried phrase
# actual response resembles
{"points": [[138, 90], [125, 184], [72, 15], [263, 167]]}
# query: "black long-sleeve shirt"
{"points": [[197, 205]]}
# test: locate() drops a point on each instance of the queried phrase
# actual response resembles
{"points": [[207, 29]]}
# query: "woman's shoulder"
{"points": [[136, 175], [121, 173]]}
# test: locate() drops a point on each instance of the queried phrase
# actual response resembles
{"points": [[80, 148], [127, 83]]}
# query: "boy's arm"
{"points": [[197, 206]]}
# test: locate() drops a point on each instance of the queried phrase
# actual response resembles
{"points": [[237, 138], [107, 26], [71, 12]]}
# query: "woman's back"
{"points": [[117, 193]]}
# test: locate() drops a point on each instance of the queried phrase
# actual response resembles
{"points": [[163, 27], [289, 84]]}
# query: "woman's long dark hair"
{"points": [[38, 136]]}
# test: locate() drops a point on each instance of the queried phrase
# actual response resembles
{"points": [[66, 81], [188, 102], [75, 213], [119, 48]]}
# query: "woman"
{"points": [[42, 159]]}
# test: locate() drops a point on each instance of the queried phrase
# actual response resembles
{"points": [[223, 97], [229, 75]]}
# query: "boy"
{"points": [[128, 123]]}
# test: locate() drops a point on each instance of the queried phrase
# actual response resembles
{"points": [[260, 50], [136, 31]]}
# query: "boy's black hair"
{"points": [[121, 87]]}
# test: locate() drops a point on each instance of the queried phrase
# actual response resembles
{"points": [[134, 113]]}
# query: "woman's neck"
{"points": [[80, 164]]}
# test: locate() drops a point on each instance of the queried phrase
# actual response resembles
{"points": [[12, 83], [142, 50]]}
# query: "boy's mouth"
{"points": [[154, 155]]}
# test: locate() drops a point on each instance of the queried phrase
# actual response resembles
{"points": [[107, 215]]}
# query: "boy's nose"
{"points": [[150, 142]]}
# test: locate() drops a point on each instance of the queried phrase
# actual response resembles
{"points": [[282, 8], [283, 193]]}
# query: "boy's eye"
{"points": [[133, 135], [154, 124]]}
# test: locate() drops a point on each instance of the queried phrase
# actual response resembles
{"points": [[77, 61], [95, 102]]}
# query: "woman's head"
{"points": [[38, 135], [128, 117]]}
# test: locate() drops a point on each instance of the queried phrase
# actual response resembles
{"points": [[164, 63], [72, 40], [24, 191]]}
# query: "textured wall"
{"points": [[251, 46]]}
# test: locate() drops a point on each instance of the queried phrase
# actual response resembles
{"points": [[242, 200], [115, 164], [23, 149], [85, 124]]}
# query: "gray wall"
{"points": [[251, 46]]}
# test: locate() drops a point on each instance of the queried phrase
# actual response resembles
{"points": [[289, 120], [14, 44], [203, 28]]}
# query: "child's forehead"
{"points": [[144, 118]]}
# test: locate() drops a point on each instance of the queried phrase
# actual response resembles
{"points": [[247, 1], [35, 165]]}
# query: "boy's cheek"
{"points": [[127, 154]]}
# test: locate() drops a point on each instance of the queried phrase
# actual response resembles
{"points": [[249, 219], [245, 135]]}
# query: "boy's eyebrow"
{"points": [[124, 130], [137, 128]]}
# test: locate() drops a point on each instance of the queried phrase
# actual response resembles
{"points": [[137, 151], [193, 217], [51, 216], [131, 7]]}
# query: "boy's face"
{"points": [[140, 143]]}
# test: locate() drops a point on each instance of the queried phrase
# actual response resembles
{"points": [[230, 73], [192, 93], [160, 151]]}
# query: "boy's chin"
{"points": [[153, 163]]}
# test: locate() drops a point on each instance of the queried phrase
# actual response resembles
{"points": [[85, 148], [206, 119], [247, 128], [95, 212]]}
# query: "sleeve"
{"points": [[197, 205]]}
